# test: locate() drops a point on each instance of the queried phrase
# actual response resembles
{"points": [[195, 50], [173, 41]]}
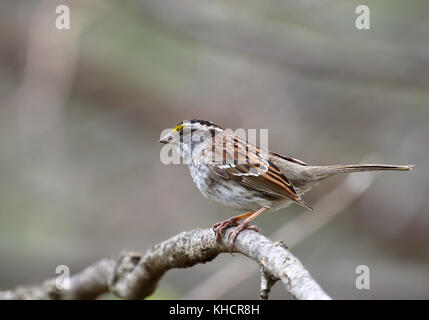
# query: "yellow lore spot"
{"points": [[178, 128]]}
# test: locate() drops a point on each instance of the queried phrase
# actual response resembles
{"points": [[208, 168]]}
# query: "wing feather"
{"points": [[249, 166]]}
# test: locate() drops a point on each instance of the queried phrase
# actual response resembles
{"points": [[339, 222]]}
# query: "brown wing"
{"points": [[249, 165]]}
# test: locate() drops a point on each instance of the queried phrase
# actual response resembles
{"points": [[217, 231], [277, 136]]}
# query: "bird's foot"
{"points": [[220, 227], [238, 229]]}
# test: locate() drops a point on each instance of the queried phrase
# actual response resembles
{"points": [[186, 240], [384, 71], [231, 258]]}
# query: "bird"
{"points": [[245, 177]]}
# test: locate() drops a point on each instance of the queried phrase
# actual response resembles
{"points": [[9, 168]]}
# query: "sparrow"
{"points": [[245, 177]]}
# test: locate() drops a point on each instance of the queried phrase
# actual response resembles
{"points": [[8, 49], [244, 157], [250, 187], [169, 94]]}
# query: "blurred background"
{"points": [[81, 112]]}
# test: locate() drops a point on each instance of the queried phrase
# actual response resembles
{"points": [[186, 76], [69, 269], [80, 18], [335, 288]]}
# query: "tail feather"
{"points": [[325, 171]]}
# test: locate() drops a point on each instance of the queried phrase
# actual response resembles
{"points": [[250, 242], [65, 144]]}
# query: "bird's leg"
{"points": [[220, 227], [244, 225]]}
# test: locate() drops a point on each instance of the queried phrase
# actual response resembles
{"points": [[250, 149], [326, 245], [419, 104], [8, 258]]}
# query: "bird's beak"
{"points": [[166, 139]]}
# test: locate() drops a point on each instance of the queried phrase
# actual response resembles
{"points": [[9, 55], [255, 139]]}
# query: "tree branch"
{"points": [[135, 276]]}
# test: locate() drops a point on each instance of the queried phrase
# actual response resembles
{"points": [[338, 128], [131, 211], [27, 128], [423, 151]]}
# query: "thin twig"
{"points": [[267, 282]]}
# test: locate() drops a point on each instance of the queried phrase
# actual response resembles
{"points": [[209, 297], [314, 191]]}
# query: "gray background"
{"points": [[81, 111]]}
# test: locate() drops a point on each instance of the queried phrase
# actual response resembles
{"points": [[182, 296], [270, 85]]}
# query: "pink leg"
{"points": [[244, 225]]}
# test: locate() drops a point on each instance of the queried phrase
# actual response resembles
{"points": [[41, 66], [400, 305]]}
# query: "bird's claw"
{"points": [[238, 229], [220, 227]]}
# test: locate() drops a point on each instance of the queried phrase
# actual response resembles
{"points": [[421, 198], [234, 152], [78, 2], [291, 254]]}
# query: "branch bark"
{"points": [[134, 275]]}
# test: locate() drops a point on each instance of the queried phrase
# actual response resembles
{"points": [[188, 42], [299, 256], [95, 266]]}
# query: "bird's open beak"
{"points": [[166, 139]]}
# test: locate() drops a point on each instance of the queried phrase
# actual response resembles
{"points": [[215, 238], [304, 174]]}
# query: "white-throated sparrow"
{"points": [[245, 177]]}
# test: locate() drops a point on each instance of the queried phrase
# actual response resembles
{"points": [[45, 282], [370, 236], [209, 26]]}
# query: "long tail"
{"points": [[326, 171]]}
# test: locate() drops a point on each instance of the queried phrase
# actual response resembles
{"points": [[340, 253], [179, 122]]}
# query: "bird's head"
{"points": [[189, 134]]}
